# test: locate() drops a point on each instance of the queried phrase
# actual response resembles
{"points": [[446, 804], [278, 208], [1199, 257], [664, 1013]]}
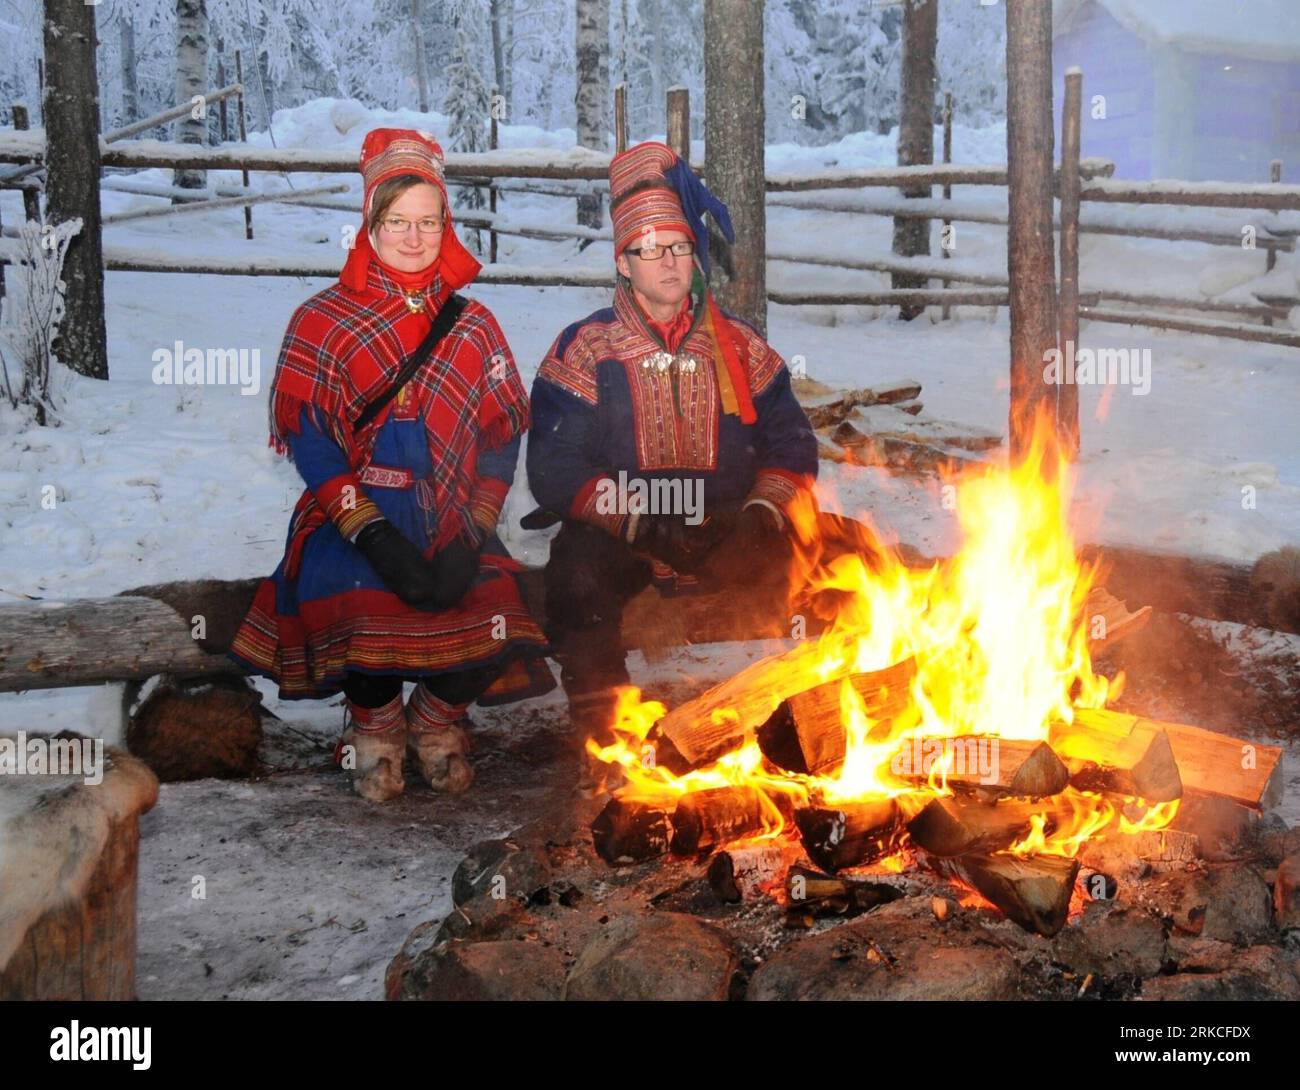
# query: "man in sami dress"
{"points": [[662, 386], [392, 568]]}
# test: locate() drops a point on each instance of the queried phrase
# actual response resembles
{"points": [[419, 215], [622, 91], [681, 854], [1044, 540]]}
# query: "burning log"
{"points": [[1125, 758], [1034, 891], [826, 895], [950, 826], [806, 732], [998, 766], [720, 719], [743, 871], [705, 820], [628, 831], [1209, 763], [849, 835]]}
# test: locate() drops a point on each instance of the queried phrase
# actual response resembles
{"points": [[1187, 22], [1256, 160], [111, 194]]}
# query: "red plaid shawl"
{"points": [[343, 348]]}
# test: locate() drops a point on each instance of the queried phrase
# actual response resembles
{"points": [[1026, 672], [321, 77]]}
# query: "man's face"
{"points": [[666, 281]]}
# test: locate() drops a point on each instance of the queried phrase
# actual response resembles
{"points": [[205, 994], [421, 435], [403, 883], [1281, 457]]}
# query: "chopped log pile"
{"points": [[883, 426], [1006, 818]]}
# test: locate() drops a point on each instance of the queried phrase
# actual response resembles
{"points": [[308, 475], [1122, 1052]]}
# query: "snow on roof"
{"points": [[1258, 29]]}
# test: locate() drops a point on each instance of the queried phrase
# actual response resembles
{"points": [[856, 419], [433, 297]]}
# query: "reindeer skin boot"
{"points": [[376, 739], [438, 742]]}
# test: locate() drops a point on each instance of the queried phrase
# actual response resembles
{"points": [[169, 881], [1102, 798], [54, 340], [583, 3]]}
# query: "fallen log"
{"points": [[705, 820], [743, 872], [806, 732], [836, 837], [950, 826], [630, 831], [1208, 763], [1107, 754], [1033, 891]]}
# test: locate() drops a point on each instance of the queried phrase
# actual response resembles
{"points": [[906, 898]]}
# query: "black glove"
{"points": [[398, 562], [756, 546], [456, 567], [670, 539]]}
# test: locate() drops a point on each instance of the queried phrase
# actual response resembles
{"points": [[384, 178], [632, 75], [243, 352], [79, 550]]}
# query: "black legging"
{"points": [[458, 687]]}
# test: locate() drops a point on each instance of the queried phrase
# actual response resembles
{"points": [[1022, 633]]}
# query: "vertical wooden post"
{"points": [[1031, 265], [71, 109], [678, 129], [1067, 398], [31, 195], [243, 136], [221, 82], [947, 189], [734, 121], [620, 118], [915, 135], [494, 137], [1274, 176]]}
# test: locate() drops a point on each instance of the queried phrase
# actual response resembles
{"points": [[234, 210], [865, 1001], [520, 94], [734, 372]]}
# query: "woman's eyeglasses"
{"points": [[399, 225], [654, 253]]}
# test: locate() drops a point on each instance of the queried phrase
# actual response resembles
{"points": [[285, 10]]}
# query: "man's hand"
{"points": [[757, 547], [398, 562], [670, 539]]}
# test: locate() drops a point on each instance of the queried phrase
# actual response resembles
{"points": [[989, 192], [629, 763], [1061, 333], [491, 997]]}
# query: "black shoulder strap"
{"points": [[442, 325]]}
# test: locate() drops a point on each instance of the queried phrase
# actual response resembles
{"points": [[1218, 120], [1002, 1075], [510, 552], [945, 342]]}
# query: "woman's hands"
{"points": [[436, 584]]}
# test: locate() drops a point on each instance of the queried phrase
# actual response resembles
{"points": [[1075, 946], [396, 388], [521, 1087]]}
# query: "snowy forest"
{"points": [[523, 500], [841, 56]]}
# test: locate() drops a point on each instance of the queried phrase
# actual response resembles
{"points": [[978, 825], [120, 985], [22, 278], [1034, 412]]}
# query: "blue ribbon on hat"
{"points": [[696, 200]]}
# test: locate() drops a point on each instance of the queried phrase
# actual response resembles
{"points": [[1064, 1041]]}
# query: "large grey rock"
{"points": [[1260, 972], [476, 971], [1110, 941], [663, 955], [1230, 902], [493, 886], [889, 957]]}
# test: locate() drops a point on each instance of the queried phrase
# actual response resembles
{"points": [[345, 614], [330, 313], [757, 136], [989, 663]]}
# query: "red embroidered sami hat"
{"points": [[389, 153], [641, 197]]}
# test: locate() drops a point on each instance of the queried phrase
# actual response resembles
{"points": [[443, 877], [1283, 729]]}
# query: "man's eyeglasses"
{"points": [[654, 253], [397, 225]]}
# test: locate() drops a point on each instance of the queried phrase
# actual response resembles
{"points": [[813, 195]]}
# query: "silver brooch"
{"points": [[661, 361]]}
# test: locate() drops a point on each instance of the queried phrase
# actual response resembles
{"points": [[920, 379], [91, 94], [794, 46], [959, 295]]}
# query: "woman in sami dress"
{"points": [[392, 568]]}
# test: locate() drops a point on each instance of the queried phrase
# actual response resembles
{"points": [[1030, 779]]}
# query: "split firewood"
{"points": [[743, 872], [831, 409], [849, 835], [722, 718], [949, 826], [628, 831], [1208, 763], [1034, 891], [985, 763], [825, 894], [1161, 845], [1109, 620], [705, 820], [806, 732], [1107, 754], [912, 408], [902, 455]]}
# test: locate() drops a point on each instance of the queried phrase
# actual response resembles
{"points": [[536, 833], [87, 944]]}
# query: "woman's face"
{"points": [[415, 247]]}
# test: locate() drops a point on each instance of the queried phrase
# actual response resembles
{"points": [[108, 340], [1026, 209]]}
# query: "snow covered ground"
{"points": [[152, 482]]}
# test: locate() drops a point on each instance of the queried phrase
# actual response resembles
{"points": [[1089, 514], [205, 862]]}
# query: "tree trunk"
{"points": [[733, 146], [500, 74], [191, 80], [916, 132], [1031, 265], [592, 24], [71, 109], [130, 88], [421, 68]]}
